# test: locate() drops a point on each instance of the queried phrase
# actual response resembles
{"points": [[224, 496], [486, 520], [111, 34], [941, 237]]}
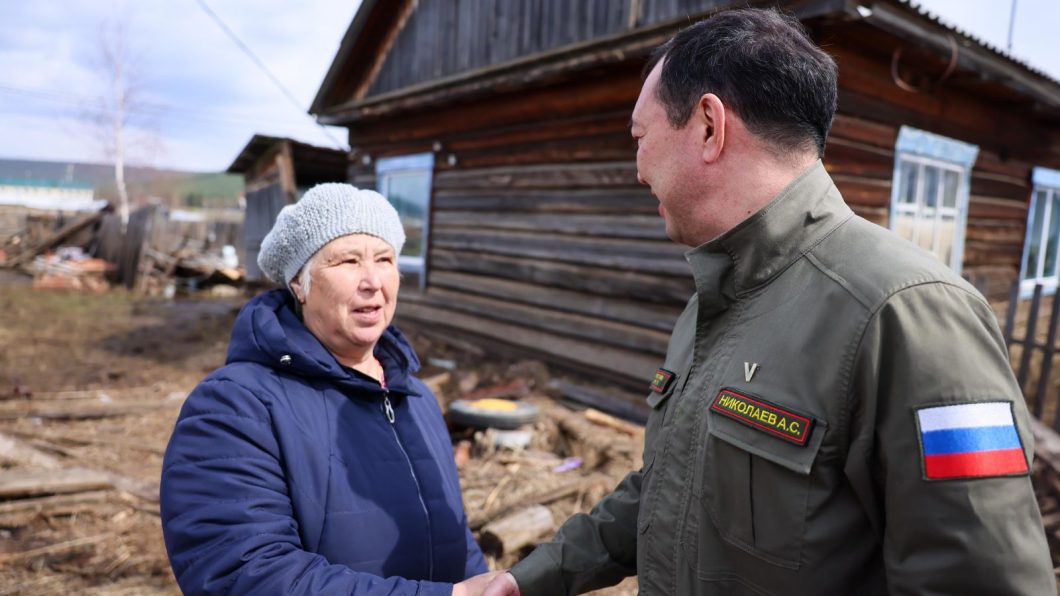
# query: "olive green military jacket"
{"points": [[804, 425]]}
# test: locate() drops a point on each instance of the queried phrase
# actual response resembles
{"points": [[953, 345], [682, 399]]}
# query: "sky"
{"points": [[198, 98]]}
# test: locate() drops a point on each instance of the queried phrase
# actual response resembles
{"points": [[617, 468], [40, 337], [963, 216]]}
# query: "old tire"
{"points": [[492, 413]]}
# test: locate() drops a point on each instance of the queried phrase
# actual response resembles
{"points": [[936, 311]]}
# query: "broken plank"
{"points": [[514, 531], [24, 454], [67, 436], [27, 483], [609, 421], [435, 382], [58, 503], [57, 238], [82, 412], [567, 489], [55, 548]]}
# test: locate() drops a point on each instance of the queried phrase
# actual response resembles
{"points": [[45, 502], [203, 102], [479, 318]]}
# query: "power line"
{"points": [[250, 54], [93, 104]]}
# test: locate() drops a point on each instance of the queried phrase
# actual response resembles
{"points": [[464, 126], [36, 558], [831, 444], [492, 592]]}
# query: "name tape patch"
{"points": [[662, 380], [764, 416], [971, 440]]}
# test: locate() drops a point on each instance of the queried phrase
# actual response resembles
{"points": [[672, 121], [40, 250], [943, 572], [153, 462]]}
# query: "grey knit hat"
{"points": [[325, 212]]}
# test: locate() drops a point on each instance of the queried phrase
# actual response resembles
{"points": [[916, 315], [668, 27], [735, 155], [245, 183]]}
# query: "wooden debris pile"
{"points": [[1046, 478], [517, 498], [73, 519], [152, 254]]}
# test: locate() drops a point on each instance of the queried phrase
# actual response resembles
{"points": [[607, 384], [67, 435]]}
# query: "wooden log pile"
{"points": [[1046, 479], [66, 511]]}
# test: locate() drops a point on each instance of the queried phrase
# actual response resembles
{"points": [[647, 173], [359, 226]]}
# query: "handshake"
{"points": [[493, 583]]}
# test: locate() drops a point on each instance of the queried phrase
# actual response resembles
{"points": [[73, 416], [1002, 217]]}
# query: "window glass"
{"points": [[406, 182], [410, 194], [908, 177], [931, 189], [1034, 237], [950, 182], [1049, 266]]}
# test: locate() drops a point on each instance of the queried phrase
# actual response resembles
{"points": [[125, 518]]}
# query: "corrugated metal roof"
{"points": [[953, 28]]}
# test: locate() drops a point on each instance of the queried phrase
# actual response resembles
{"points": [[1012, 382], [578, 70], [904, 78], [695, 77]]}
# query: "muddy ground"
{"points": [[96, 382]]}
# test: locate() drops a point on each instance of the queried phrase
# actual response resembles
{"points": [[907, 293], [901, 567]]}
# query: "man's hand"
{"points": [[502, 585], [475, 585]]}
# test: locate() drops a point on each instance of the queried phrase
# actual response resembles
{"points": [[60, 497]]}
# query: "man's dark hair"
{"points": [[762, 64]]}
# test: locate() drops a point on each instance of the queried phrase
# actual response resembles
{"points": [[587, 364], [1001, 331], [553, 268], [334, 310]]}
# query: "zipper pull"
{"points": [[387, 408]]}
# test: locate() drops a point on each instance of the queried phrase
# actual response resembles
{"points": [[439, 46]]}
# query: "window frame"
{"points": [[415, 164], [923, 150], [1046, 181]]}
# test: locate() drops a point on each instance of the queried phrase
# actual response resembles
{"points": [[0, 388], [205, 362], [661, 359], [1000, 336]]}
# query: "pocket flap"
{"points": [[656, 399], [797, 458]]}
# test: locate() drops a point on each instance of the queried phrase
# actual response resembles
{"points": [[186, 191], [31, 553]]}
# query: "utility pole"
{"points": [[1011, 24]]}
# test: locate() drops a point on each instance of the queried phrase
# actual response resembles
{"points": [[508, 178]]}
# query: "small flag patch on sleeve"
{"points": [[977, 440]]}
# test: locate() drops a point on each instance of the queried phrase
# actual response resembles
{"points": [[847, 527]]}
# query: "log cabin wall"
{"points": [[541, 239], [1012, 139]]}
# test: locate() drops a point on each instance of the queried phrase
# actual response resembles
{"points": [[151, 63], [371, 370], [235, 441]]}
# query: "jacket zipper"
{"points": [[388, 411]]}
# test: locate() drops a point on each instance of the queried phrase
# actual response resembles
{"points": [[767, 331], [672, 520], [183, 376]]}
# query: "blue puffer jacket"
{"points": [[284, 475]]}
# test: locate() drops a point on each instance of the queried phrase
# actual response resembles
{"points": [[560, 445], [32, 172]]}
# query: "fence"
{"points": [[1043, 400]]}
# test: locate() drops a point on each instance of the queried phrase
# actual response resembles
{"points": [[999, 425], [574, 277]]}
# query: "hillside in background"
{"points": [[175, 188]]}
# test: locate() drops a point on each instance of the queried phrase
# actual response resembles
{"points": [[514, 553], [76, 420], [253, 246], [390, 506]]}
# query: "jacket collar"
{"points": [[765, 244], [269, 331]]}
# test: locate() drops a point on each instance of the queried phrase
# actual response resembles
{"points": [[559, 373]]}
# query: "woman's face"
{"points": [[352, 295]]}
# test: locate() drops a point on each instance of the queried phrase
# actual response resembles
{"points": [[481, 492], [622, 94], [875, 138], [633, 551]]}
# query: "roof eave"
{"points": [[337, 67]]}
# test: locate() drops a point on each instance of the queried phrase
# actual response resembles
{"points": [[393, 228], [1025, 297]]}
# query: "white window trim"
{"points": [[419, 163], [1048, 181], [924, 148]]}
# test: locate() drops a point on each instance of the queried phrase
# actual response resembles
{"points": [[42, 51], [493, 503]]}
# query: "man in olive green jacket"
{"points": [[836, 413]]}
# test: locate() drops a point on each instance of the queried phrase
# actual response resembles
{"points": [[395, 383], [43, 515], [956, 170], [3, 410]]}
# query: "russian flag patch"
{"points": [[977, 440]]}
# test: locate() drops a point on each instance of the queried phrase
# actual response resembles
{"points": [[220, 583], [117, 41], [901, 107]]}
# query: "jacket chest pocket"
{"points": [[753, 489], [658, 401]]}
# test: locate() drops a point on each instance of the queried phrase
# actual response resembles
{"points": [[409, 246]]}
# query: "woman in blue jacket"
{"points": [[313, 462]]}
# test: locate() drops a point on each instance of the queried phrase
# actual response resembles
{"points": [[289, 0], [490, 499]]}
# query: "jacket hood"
{"points": [[269, 332]]}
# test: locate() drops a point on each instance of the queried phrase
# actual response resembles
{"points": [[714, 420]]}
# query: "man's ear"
{"points": [[296, 287], [711, 115]]}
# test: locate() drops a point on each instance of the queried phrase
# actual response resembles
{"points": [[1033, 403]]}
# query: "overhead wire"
{"points": [[93, 104], [264, 68]]}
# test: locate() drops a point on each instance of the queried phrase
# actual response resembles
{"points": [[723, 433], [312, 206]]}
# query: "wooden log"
{"points": [[599, 281], [660, 317], [67, 436], [515, 388], [82, 222], [435, 382], [504, 203], [513, 532], [630, 409], [609, 421], [647, 227], [477, 520], [624, 366], [51, 549], [56, 503], [83, 412], [27, 483], [621, 174], [592, 329], [21, 453], [865, 131], [650, 256]]}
